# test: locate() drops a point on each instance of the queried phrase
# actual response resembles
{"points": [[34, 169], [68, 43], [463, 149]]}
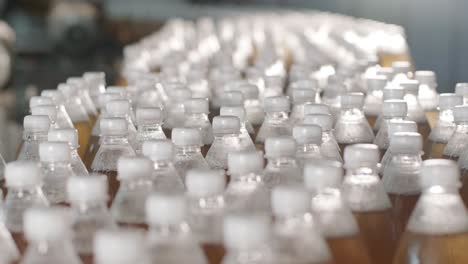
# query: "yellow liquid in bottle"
{"points": [[84, 132], [347, 250]]}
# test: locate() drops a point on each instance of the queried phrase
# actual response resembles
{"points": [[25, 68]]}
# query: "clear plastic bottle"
{"points": [[247, 239], [82, 91], [63, 119], [120, 246], [35, 132], [282, 166], [9, 251], [122, 109], [396, 126], [374, 97], [47, 110], [170, 237], [312, 109], [196, 116], [206, 209], [320, 175], [188, 142], [296, 236], [299, 98], [368, 200], [35, 101], [402, 70], [444, 126], [226, 130], [96, 84], [415, 110], [389, 93], [70, 136], [392, 110], [165, 176], [458, 142], [48, 231], [175, 110], [462, 89], [149, 121], [308, 139], [427, 95], [437, 231], [135, 177], [401, 176], [351, 126], [246, 129], [253, 108], [329, 147], [88, 196], [56, 169], [276, 121]]}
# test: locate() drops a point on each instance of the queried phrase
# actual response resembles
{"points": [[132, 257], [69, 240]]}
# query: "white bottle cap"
{"points": [[205, 182], [391, 93], [68, 90], [395, 126], [394, 108], [186, 137], [79, 82], [158, 150], [250, 91], [119, 246], [352, 100], [441, 172], [461, 89], [237, 111], [118, 108], [226, 125], [166, 209], [276, 104], [246, 231], [410, 86], [232, 98], [449, 100], [361, 155], [387, 72], [56, 96], [47, 224], [310, 109], [36, 123], [245, 162], [116, 89], [282, 146], [319, 175], [149, 116], [48, 110], [426, 77], [325, 121], [197, 106], [289, 200], [132, 167], [307, 134], [87, 188], [301, 96], [406, 143], [460, 113], [50, 151], [22, 174], [401, 66], [106, 97], [68, 135], [113, 126], [376, 82], [40, 100]]}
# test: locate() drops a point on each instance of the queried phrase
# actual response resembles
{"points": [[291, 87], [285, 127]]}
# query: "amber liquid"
{"points": [[443, 249], [87, 259], [204, 149], [113, 183], [214, 252], [260, 147], [167, 132], [84, 133], [424, 129], [402, 207], [371, 120], [464, 187], [342, 146], [347, 250], [213, 113], [432, 117], [133, 226], [378, 234], [92, 120], [20, 242], [435, 150], [91, 150]]}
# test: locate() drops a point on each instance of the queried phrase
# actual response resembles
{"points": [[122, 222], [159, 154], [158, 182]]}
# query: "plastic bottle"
{"points": [[114, 144], [47, 110], [296, 237], [329, 147], [438, 227], [135, 177], [246, 129], [48, 231], [282, 166], [35, 132], [96, 83], [121, 246], [444, 126], [70, 136], [415, 110], [175, 110], [299, 98], [63, 119], [9, 251], [427, 95], [308, 139], [196, 116], [88, 196], [226, 130], [389, 93], [149, 121], [320, 175], [122, 109], [459, 139], [253, 108], [401, 176], [81, 90], [56, 169], [206, 209], [170, 237], [374, 97], [276, 121], [395, 126], [462, 89], [368, 200], [247, 239], [392, 110], [311, 109], [402, 70], [165, 176], [351, 126]]}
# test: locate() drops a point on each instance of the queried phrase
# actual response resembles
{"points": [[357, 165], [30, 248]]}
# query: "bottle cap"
{"points": [[394, 108], [158, 150], [289, 200], [307, 134], [352, 100], [36, 123], [132, 167], [460, 113], [281, 146], [361, 155], [180, 95], [391, 93], [250, 91], [232, 98], [47, 224], [401, 67], [310, 109], [68, 135], [245, 162], [376, 82], [149, 116], [395, 126], [118, 108], [186, 137], [237, 111], [50, 151], [106, 97], [387, 72], [22, 174], [226, 125], [441, 172], [87, 188], [246, 231], [306, 84], [276, 104], [319, 175], [79, 82], [113, 126], [119, 246], [68, 90], [205, 182], [165, 209], [47, 110], [461, 89], [40, 100], [325, 121], [426, 77], [406, 143], [56, 96], [410, 86], [301, 96], [449, 100], [197, 106], [116, 89]]}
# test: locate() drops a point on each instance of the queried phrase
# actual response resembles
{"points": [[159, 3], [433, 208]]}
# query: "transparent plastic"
{"points": [[8, 250], [30, 147], [275, 124], [148, 131], [282, 170], [111, 148], [352, 127], [223, 144], [457, 142], [55, 177], [200, 121]]}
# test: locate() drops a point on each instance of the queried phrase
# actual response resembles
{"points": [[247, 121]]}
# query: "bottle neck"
{"points": [[367, 170], [462, 127], [89, 206], [34, 136], [308, 148], [187, 150], [163, 164], [114, 140], [282, 162], [249, 177], [197, 116], [146, 129], [169, 230], [276, 115]]}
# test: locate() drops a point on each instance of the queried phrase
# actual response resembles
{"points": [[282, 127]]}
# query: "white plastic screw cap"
{"points": [[461, 89], [47, 224], [376, 82], [186, 137], [393, 93], [54, 151], [119, 246], [113, 126], [149, 115], [226, 125], [22, 174], [406, 143], [361, 155], [276, 104], [246, 231], [237, 111], [87, 188], [118, 108], [48, 110], [394, 108], [460, 113], [441, 172], [205, 182], [68, 135], [395, 126], [40, 100], [325, 121], [197, 106], [282, 146], [232, 98], [307, 134], [132, 167], [166, 208], [449, 100], [352, 100], [289, 200], [426, 77], [401, 66], [245, 162], [316, 109], [158, 150], [410, 86], [36, 123], [319, 175]]}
